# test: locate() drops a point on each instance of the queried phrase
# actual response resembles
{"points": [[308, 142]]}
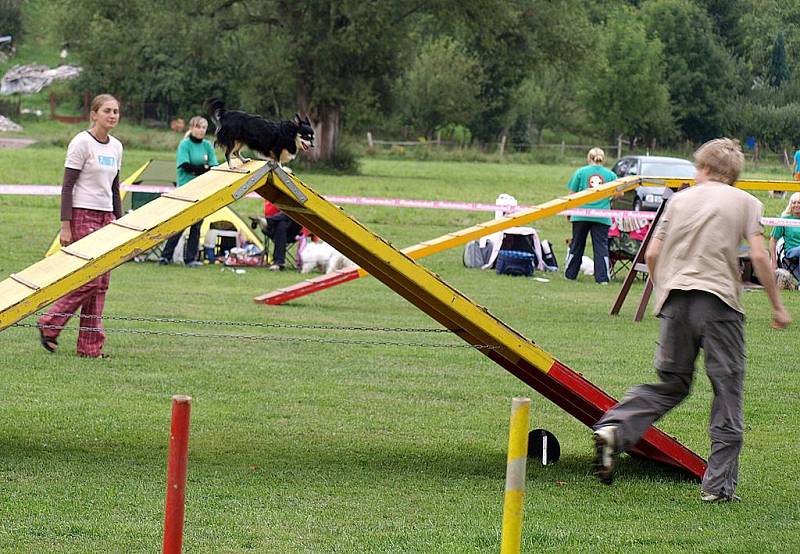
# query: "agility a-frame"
{"points": [[23, 293]]}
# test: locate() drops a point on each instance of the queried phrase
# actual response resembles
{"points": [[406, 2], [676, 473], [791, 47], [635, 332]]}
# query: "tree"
{"points": [[546, 100], [700, 73], [441, 87], [133, 51], [624, 92], [778, 71]]}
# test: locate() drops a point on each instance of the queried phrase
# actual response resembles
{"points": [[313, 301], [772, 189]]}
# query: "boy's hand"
{"points": [[781, 319]]}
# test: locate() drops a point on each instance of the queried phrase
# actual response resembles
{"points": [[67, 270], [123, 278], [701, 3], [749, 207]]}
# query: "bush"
{"points": [[11, 18], [344, 160]]}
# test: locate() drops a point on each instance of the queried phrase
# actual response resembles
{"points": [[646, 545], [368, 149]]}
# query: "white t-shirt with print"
{"points": [[98, 163]]}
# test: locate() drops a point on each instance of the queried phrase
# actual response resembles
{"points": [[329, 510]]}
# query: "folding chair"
{"points": [[792, 265], [624, 240]]}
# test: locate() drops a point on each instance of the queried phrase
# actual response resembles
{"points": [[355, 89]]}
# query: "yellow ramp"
{"points": [[456, 238], [457, 313], [224, 214], [40, 284]]}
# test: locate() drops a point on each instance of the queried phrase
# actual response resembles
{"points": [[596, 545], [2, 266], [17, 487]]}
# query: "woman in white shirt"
{"points": [[90, 199]]}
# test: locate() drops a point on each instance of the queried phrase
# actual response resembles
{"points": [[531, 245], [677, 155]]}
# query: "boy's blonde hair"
{"points": [[793, 198], [722, 159], [596, 156]]}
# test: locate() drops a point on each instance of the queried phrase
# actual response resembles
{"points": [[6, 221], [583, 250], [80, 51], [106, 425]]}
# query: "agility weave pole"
{"points": [[513, 502], [177, 465]]}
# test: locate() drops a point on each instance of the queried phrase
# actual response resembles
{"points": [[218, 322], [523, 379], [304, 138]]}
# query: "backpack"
{"points": [[515, 262], [476, 255], [549, 257]]}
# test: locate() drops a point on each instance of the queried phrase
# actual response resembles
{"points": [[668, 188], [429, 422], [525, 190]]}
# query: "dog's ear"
{"points": [[297, 118], [308, 122]]}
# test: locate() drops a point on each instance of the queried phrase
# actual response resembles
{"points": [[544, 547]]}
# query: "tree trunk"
{"points": [[327, 125]]}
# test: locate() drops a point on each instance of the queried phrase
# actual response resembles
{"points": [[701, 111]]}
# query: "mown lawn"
{"points": [[315, 445]]}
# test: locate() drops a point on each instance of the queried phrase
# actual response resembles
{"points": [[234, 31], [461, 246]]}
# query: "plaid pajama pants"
{"points": [[90, 297]]}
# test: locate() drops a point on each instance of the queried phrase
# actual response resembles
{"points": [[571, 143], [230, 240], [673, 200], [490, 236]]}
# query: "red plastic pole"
{"points": [[176, 474]]}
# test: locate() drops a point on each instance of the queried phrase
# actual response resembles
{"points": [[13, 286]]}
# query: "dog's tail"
{"points": [[216, 107]]}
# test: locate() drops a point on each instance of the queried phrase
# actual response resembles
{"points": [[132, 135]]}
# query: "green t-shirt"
{"points": [[195, 153], [791, 235], [592, 176]]}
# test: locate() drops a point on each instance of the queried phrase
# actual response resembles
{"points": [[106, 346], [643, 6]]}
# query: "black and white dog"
{"points": [[278, 141]]}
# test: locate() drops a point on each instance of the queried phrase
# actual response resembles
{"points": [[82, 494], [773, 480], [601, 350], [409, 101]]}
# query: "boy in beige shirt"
{"points": [[693, 261]]}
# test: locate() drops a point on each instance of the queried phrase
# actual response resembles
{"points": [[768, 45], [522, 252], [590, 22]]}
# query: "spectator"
{"points": [[791, 240], [590, 176], [796, 165], [195, 156], [282, 230], [90, 200]]}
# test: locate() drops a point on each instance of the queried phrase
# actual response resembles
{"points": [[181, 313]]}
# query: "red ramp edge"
{"points": [[586, 402], [308, 286]]}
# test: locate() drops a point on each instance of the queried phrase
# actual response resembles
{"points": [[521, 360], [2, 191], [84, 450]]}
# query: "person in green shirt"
{"points": [[791, 239], [195, 156], [591, 175]]}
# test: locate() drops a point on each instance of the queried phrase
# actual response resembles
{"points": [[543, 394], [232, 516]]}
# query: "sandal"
{"points": [[49, 344]]}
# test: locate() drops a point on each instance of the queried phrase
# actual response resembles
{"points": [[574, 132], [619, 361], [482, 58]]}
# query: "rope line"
{"points": [[264, 337], [212, 322]]}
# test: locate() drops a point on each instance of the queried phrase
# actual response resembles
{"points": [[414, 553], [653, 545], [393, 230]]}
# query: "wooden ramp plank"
{"points": [[456, 238], [473, 323], [112, 245]]}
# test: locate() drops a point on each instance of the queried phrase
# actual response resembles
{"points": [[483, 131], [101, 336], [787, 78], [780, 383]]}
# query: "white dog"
{"points": [[587, 265], [315, 255], [339, 261]]}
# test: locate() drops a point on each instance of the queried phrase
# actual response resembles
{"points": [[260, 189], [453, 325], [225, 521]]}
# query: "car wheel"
{"points": [[637, 205]]}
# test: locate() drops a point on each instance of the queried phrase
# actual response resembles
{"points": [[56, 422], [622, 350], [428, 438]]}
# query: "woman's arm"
{"points": [[67, 186], [116, 198]]}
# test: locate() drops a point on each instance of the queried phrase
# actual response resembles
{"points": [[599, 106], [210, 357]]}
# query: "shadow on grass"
{"points": [[324, 459]]}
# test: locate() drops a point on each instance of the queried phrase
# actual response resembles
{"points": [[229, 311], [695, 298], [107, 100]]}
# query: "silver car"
{"points": [[648, 197]]}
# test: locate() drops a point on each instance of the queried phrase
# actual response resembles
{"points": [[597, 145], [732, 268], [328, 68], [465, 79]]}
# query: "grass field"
{"points": [[306, 444]]}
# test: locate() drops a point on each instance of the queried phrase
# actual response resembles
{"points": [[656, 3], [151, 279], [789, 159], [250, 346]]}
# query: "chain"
{"points": [[211, 322], [263, 337]]}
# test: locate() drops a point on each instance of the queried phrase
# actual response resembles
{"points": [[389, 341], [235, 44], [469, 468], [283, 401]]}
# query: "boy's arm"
{"points": [[773, 253], [761, 265]]}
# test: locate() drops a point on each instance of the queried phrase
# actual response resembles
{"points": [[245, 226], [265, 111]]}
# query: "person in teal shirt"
{"points": [[791, 239], [195, 156], [591, 175]]}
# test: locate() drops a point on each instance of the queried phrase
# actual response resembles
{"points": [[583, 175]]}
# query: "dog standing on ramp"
{"points": [[278, 141]]}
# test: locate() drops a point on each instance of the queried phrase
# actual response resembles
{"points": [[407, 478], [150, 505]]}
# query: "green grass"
{"points": [[322, 447]]}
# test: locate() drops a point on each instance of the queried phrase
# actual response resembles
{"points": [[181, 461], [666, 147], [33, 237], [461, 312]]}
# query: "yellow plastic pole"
{"points": [[515, 476]]}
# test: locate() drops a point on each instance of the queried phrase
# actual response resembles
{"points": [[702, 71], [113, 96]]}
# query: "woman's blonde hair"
{"points": [[793, 198], [194, 121], [722, 159], [98, 101], [596, 156]]}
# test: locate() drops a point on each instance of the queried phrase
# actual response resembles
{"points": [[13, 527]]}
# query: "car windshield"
{"points": [[666, 169]]}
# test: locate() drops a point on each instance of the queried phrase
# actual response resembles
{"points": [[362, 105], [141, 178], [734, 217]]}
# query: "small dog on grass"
{"points": [[278, 141], [318, 255], [784, 279]]}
